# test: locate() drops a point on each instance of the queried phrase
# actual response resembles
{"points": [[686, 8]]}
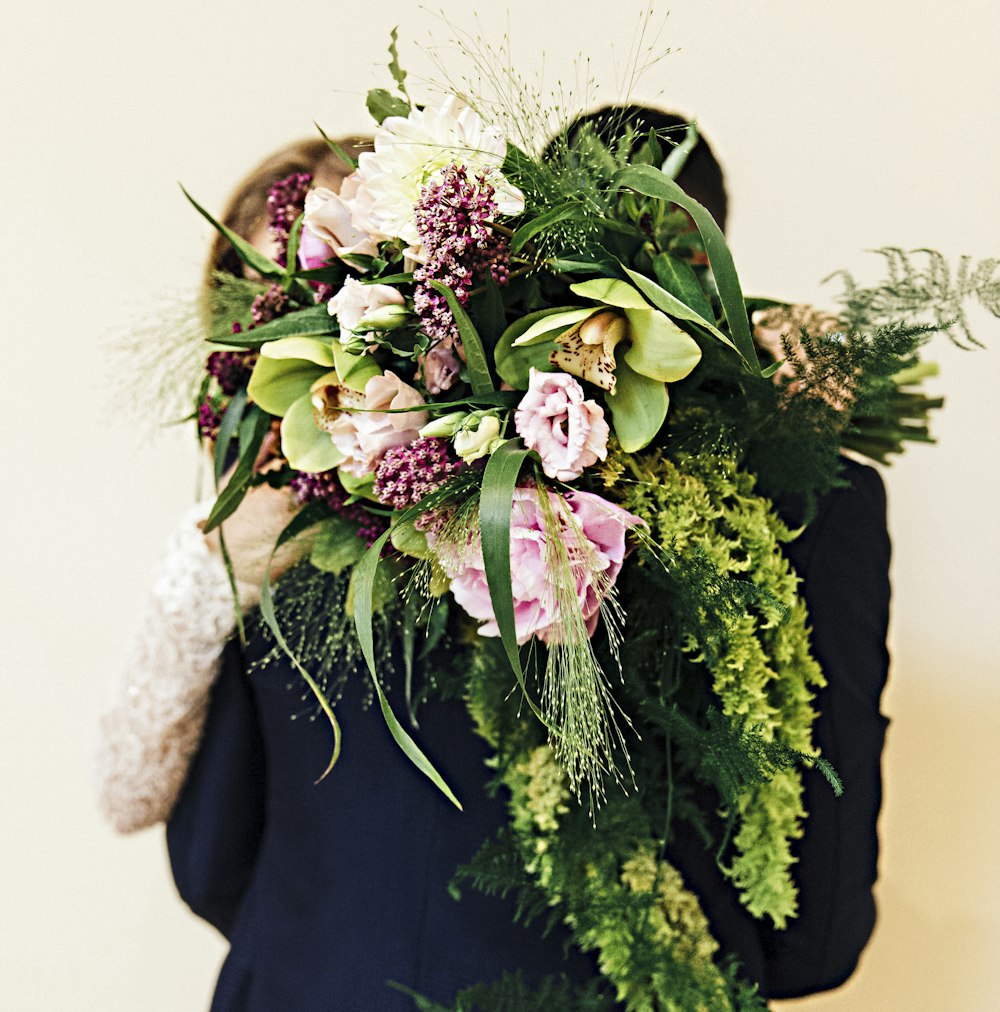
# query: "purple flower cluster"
{"points": [[286, 200], [209, 419], [453, 220], [406, 474], [325, 486], [231, 368], [268, 306]]}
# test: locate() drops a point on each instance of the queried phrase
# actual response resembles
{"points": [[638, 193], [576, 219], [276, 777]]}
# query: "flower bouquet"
{"points": [[529, 413]]}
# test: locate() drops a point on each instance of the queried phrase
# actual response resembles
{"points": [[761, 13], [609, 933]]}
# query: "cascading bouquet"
{"points": [[526, 407]]}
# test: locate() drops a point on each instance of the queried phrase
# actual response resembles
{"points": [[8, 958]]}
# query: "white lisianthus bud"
{"points": [[356, 300], [473, 443], [383, 318], [444, 426]]}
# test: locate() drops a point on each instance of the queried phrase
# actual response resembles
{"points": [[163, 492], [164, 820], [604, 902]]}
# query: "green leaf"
{"points": [[363, 585], [403, 278], [673, 306], [544, 323], [679, 279], [292, 251], [610, 292], [383, 589], [592, 260], [407, 540], [638, 407], [360, 488], [383, 104], [337, 546], [312, 322], [496, 504], [337, 149], [354, 370], [246, 251], [526, 232], [514, 364], [252, 431], [398, 74], [306, 447], [487, 313], [475, 357], [303, 520], [678, 157], [227, 429], [653, 183]]}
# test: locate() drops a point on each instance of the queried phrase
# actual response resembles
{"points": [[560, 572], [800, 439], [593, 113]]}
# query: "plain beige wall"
{"points": [[844, 126]]}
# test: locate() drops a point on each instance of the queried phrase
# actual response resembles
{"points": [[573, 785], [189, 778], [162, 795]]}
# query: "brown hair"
{"points": [[246, 211]]}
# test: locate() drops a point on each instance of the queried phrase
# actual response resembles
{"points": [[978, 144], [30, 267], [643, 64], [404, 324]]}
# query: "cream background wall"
{"points": [[844, 126]]}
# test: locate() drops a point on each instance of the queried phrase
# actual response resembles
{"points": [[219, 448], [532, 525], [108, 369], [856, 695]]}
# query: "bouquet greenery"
{"points": [[528, 412]]}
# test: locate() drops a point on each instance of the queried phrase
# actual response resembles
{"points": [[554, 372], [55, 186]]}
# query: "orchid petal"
{"points": [[554, 321], [662, 299], [638, 407], [659, 348], [306, 447], [277, 383], [612, 292], [310, 349], [354, 370]]}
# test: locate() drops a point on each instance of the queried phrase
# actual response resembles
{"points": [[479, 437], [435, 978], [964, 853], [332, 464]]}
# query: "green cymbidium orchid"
{"points": [[625, 346], [304, 380]]}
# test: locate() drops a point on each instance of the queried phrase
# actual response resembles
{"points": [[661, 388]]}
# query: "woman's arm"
{"points": [[844, 563], [153, 720]]}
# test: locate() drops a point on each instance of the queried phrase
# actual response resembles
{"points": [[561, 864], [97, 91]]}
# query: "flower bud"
{"points": [[473, 443], [383, 318], [444, 426]]}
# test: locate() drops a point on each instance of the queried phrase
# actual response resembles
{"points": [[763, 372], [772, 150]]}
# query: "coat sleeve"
{"points": [[844, 566], [214, 831]]}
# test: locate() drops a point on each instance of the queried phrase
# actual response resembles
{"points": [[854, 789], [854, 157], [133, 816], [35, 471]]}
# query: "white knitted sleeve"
{"points": [[153, 720]]}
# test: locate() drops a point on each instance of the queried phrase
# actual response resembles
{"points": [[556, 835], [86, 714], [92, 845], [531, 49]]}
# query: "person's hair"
{"points": [[246, 210], [701, 177]]}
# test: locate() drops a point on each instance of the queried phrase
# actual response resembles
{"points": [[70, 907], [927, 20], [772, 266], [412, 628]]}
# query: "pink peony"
{"points": [[568, 432], [594, 532], [328, 217], [363, 436]]}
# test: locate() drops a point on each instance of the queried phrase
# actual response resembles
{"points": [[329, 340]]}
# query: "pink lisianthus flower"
{"points": [[313, 252], [328, 218], [363, 436], [593, 531], [568, 432], [356, 300]]}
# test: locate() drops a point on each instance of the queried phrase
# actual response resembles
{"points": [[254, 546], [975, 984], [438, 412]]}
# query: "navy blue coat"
{"points": [[327, 891]]}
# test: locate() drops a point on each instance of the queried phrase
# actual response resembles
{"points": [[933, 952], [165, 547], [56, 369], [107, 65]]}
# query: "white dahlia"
{"points": [[410, 151]]}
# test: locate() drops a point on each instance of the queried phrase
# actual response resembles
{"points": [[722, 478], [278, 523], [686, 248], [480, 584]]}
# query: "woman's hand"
{"points": [[250, 533]]}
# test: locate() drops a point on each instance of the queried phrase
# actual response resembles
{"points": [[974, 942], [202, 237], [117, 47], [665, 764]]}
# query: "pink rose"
{"points": [[594, 531], [328, 217], [568, 432], [356, 300], [363, 436]]}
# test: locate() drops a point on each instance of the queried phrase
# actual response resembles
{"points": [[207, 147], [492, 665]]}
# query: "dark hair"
{"points": [[246, 211], [701, 177]]}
